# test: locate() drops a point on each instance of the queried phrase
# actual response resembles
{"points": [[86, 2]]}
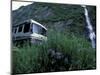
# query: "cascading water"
{"points": [[89, 27]]}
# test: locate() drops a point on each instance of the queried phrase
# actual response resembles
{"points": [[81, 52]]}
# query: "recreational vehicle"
{"points": [[29, 30]]}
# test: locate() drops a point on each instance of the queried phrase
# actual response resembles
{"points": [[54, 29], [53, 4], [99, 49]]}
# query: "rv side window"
{"points": [[15, 30], [20, 29], [26, 27]]}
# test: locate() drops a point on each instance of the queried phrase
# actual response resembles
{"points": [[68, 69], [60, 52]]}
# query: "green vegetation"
{"points": [[66, 34], [34, 58]]}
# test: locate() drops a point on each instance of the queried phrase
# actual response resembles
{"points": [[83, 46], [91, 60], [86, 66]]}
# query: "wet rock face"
{"points": [[58, 61]]}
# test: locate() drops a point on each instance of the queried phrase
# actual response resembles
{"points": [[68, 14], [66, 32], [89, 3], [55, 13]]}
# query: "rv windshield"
{"points": [[38, 29]]}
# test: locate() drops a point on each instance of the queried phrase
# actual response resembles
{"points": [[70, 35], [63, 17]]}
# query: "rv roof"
{"points": [[32, 21]]}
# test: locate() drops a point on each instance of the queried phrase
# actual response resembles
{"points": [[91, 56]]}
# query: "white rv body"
{"points": [[29, 30]]}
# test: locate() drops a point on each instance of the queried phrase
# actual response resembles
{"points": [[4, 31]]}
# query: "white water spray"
{"points": [[90, 28]]}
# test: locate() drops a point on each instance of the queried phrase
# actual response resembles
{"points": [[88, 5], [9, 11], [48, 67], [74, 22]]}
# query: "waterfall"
{"points": [[89, 27]]}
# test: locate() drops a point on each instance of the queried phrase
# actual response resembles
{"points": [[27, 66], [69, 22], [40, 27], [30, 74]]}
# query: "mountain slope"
{"points": [[66, 18]]}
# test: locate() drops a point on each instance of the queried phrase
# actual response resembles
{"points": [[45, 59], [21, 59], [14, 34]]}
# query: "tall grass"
{"points": [[34, 58], [82, 55]]}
